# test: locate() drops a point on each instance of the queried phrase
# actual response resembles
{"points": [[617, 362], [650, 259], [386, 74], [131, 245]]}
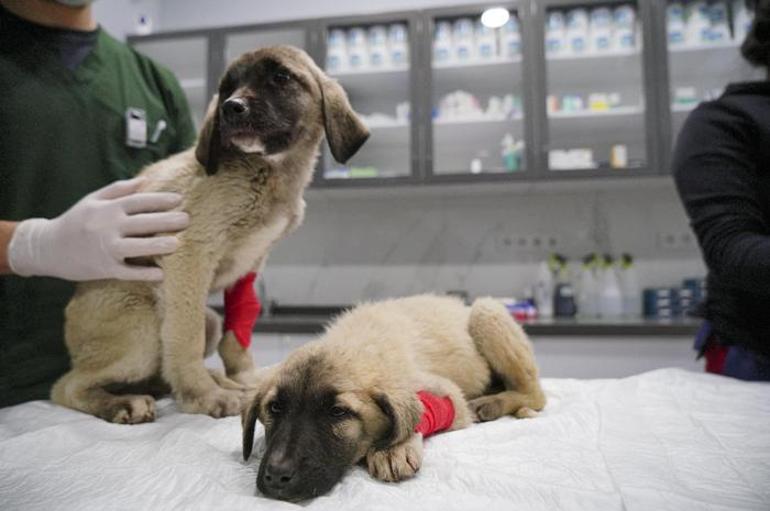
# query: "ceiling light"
{"points": [[495, 17]]}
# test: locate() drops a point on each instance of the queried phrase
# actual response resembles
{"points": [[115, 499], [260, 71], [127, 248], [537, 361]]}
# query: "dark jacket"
{"points": [[722, 170]]}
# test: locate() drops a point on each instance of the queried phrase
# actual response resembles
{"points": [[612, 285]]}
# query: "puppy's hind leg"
{"points": [[503, 343], [85, 392], [114, 343]]}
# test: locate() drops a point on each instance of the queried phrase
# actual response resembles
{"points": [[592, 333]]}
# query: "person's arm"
{"points": [[716, 167], [6, 232], [93, 239]]}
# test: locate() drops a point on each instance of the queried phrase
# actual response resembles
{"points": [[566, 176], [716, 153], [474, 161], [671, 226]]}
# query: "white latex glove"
{"points": [[91, 240]]}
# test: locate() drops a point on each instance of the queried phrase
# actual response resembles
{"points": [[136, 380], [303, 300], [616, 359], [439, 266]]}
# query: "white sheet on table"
{"points": [[663, 440]]}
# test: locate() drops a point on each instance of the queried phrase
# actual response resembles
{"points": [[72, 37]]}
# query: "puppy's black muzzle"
{"points": [[235, 110]]}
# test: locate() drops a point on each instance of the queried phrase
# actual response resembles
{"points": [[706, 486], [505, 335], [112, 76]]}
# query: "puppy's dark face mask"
{"points": [[260, 105], [272, 100], [318, 424]]}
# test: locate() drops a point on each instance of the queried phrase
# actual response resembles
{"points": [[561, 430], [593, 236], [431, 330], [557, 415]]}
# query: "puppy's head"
{"points": [[271, 99], [320, 420]]}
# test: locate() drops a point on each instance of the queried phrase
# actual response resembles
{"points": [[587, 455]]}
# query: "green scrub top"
{"points": [[63, 134]]}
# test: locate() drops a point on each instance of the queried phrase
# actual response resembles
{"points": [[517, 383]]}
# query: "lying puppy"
{"points": [[352, 395], [242, 186]]}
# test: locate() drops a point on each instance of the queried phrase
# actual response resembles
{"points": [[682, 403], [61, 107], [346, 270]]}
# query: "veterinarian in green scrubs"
{"points": [[78, 110]]}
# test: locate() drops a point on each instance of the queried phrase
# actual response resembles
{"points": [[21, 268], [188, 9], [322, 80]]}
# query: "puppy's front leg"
{"points": [[187, 277], [397, 462]]}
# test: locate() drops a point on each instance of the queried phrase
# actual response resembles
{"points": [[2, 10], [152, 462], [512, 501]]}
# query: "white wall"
{"points": [[356, 245], [184, 14], [119, 17]]}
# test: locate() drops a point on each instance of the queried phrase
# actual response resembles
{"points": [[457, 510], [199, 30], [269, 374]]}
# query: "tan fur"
{"points": [[394, 349], [129, 332]]}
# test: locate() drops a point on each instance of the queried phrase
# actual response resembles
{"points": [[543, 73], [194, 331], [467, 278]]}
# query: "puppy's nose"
{"points": [[235, 108], [279, 475]]}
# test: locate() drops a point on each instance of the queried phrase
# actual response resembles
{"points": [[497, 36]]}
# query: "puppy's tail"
{"points": [[503, 343]]}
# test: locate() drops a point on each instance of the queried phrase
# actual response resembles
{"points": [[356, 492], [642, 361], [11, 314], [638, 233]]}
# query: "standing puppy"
{"points": [[352, 395], [242, 186]]}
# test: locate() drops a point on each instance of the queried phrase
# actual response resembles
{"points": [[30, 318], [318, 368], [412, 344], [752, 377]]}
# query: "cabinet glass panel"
{"points": [[478, 119], [595, 99], [238, 43], [187, 58], [704, 40], [371, 62]]}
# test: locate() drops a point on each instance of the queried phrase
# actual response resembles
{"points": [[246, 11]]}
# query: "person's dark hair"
{"points": [[756, 47]]}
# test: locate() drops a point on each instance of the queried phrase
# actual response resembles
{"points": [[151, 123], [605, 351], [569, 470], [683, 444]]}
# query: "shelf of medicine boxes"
{"points": [[697, 65], [578, 73], [387, 86], [484, 78], [420, 44]]}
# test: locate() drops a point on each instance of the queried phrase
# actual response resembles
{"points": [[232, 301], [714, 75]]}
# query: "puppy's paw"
{"points": [[526, 413], [486, 408], [396, 463], [216, 403], [131, 410]]}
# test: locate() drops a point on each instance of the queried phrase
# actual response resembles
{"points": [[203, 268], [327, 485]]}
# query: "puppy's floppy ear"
{"points": [[345, 131], [249, 418], [209, 149], [403, 411]]}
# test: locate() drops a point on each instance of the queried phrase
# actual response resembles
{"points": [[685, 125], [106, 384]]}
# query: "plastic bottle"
{"points": [[742, 20], [675, 23], [564, 305], [577, 31], [544, 291], [555, 34], [510, 151], [600, 31], [377, 36], [357, 51], [624, 29], [588, 288], [610, 298], [463, 38], [629, 286], [720, 28], [398, 44], [510, 39], [486, 41], [337, 53], [698, 29], [442, 43]]}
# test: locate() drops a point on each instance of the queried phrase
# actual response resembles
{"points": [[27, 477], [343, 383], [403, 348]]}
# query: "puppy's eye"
{"points": [[281, 77], [275, 407], [338, 411]]}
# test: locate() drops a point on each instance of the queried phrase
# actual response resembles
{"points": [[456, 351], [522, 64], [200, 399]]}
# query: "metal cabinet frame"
{"points": [[650, 13]]}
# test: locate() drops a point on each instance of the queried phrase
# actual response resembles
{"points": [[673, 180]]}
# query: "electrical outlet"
{"points": [[530, 244], [675, 240]]}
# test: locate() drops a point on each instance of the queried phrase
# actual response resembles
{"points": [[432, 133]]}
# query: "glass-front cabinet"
{"points": [[237, 43], [523, 89], [596, 93], [372, 61], [477, 94], [187, 58], [704, 40]]}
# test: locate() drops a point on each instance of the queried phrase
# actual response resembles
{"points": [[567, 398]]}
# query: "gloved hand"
{"points": [[91, 240]]}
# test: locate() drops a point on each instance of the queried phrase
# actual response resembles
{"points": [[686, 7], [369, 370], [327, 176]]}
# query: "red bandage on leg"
{"points": [[242, 307], [715, 358], [438, 414]]}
